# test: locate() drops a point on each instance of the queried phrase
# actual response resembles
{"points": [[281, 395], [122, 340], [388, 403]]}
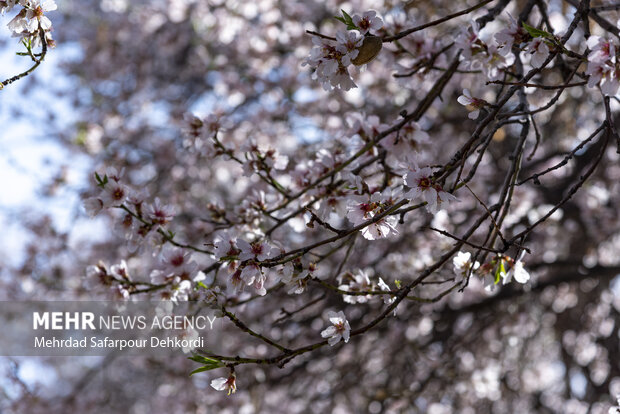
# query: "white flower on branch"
{"points": [[330, 60], [423, 187], [472, 104], [340, 328], [225, 384], [463, 265], [368, 21], [539, 50]]}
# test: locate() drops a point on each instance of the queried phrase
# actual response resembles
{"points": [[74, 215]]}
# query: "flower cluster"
{"points": [[425, 188], [178, 271], [515, 35], [31, 23], [478, 55], [202, 133], [491, 272], [244, 261], [330, 59], [363, 208], [603, 66], [494, 58], [141, 223]]}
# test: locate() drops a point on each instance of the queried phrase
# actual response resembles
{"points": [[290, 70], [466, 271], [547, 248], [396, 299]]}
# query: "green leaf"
{"points": [[534, 32], [347, 19], [209, 364], [101, 182], [499, 271], [346, 16], [398, 283], [203, 360], [202, 285], [203, 369]]}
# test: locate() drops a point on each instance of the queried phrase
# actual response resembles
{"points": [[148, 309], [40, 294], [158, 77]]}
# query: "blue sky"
{"points": [[30, 154]]}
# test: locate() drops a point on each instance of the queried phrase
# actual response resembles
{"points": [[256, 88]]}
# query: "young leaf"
{"points": [[209, 364], [203, 360], [499, 271], [101, 182], [348, 18], [534, 32], [203, 369]]}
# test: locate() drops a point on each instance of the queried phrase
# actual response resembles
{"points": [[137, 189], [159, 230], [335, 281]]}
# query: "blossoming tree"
{"points": [[412, 208]]}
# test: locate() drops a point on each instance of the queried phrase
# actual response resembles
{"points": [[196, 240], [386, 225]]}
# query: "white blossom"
{"points": [[472, 104], [539, 51], [225, 384], [340, 328], [367, 21], [423, 187]]}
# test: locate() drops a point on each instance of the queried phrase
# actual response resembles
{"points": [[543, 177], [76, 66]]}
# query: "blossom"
{"points": [[35, 17], [178, 262], [123, 225], [120, 271], [472, 104], [463, 265], [367, 21], [340, 328], [332, 204], [357, 282], [468, 41], [409, 139], [97, 275], [330, 60], [7, 5], [602, 49], [494, 64], [348, 44], [252, 274], [113, 194], [422, 187], [518, 272], [258, 250], [225, 245], [513, 34], [603, 65], [297, 285], [387, 299], [381, 228], [539, 50], [119, 292], [18, 23], [359, 209], [92, 206], [225, 384], [159, 213], [235, 281], [608, 77]]}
